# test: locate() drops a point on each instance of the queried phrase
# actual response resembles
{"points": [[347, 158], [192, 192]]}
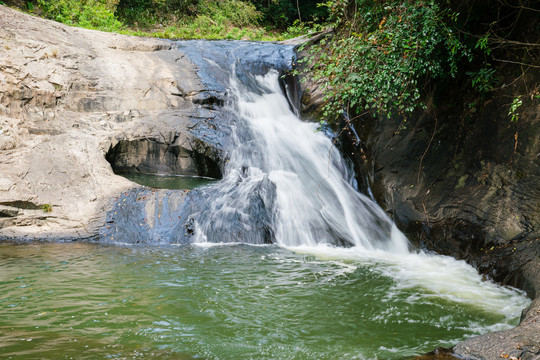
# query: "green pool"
{"points": [[88, 301], [167, 181]]}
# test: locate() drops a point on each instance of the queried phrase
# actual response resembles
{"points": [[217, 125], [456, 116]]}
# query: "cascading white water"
{"points": [[293, 174], [315, 202], [297, 173]]}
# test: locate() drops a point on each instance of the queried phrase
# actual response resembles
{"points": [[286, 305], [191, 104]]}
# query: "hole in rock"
{"points": [[165, 166]]}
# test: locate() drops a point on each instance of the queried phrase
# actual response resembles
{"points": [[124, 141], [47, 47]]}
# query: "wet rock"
{"points": [[158, 216], [144, 216], [208, 98], [248, 61], [310, 93], [243, 216], [519, 343]]}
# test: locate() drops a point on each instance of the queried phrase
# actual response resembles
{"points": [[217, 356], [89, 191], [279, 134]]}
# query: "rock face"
{"points": [[463, 181], [71, 97], [146, 216], [152, 156], [162, 216]]}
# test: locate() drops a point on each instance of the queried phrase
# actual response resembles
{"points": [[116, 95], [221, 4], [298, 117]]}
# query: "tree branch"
{"points": [[516, 62]]}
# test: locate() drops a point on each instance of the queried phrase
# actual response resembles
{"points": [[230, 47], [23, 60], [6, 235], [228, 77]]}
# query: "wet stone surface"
{"points": [[145, 216]]}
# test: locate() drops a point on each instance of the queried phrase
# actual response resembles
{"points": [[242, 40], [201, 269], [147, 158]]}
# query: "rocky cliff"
{"points": [[467, 184], [71, 99]]}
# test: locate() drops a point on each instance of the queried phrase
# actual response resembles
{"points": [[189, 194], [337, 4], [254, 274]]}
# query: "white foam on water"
{"points": [[442, 276]]}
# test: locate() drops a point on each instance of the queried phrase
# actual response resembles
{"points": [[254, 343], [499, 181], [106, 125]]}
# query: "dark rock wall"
{"points": [[460, 179], [150, 156]]}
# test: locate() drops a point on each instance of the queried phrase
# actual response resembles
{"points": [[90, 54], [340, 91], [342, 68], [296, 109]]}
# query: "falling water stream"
{"points": [[299, 175], [288, 259]]}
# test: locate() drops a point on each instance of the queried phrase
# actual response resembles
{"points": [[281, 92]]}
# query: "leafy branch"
{"points": [[382, 53]]}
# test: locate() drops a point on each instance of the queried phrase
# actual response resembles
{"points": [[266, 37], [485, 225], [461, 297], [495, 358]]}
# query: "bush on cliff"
{"points": [[384, 53]]}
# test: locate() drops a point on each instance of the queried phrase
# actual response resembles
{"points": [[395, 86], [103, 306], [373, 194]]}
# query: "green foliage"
{"points": [[282, 13], [147, 13], [222, 14], [203, 27], [47, 208], [188, 19], [224, 19], [383, 52], [482, 43], [195, 19], [484, 79], [516, 103], [235, 12], [299, 28], [93, 14]]}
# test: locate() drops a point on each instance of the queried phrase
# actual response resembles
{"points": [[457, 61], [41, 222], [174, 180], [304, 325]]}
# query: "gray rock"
{"points": [[145, 216], [8, 211], [71, 95]]}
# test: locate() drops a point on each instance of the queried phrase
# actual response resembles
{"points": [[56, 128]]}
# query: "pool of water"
{"points": [[178, 182], [83, 300]]}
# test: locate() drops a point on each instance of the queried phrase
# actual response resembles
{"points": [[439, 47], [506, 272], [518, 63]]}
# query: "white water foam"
{"points": [[315, 204], [442, 276]]}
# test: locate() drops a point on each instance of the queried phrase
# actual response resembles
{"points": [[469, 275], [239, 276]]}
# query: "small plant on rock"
{"points": [[513, 112]]}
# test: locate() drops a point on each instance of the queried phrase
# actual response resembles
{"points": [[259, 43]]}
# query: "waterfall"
{"points": [[284, 182]]}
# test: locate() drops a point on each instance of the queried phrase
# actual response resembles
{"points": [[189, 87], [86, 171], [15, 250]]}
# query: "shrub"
{"points": [[281, 14], [234, 12], [382, 53], [93, 14], [47, 208], [147, 13]]}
